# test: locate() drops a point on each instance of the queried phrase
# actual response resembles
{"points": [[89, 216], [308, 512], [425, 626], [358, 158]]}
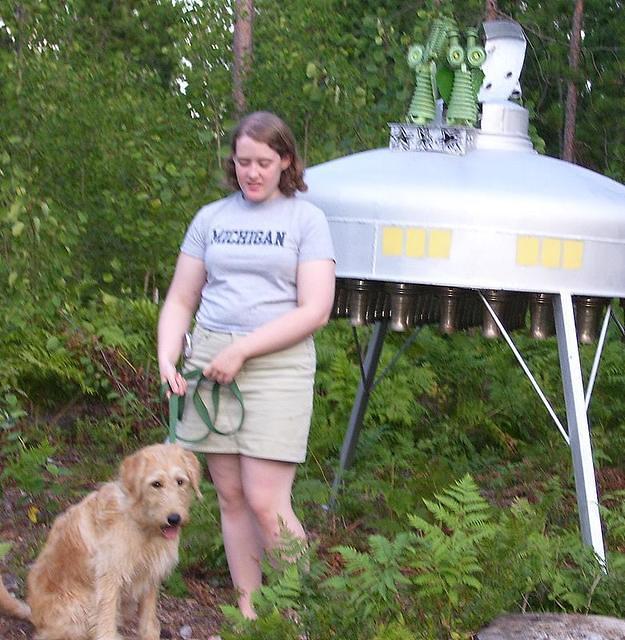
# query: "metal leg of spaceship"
{"points": [[577, 418], [365, 386]]}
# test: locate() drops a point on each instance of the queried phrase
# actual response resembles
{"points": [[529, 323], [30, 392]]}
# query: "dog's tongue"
{"points": [[169, 532]]}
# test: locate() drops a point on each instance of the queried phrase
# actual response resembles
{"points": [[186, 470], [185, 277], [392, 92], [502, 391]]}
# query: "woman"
{"points": [[259, 264]]}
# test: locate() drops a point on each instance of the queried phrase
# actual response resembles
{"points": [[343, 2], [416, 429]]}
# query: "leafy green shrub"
{"points": [[371, 581], [5, 547], [31, 467], [273, 625], [447, 555], [394, 631], [201, 546], [175, 584], [54, 356]]}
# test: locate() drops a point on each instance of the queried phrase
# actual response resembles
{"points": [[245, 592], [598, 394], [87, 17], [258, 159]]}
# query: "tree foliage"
{"points": [[96, 126]]}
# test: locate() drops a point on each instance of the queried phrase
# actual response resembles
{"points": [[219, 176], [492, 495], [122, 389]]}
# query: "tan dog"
{"points": [[112, 548]]}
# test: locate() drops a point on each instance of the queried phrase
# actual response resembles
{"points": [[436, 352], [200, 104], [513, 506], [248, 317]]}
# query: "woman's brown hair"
{"points": [[267, 127]]}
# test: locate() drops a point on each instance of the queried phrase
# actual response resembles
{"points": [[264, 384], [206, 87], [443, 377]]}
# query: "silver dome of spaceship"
{"points": [[496, 217]]}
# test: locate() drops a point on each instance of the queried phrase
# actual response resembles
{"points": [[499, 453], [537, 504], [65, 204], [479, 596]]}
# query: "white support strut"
{"points": [[579, 432]]}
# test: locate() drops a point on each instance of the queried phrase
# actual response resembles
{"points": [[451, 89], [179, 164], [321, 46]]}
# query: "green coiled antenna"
{"points": [[437, 38], [476, 54], [422, 106], [423, 60], [455, 52], [444, 59], [462, 108]]}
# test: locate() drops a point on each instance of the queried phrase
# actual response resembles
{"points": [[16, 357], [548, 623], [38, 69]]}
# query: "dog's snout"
{"points": [[173, 519]]}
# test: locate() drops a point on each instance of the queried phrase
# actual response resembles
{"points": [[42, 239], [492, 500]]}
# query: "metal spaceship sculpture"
{"points": [[462, 226]]}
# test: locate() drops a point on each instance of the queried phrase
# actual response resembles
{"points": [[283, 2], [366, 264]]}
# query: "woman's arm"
{"points": [[315, 295], [175, 318]]}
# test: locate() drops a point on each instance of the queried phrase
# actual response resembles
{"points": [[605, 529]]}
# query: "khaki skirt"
{"points": [[277, 391]]}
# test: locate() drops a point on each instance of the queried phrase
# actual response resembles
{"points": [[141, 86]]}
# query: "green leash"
{"points": [[176, 407]]}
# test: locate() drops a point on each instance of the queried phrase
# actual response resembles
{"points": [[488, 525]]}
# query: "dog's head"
{"points": [[159, 481]]}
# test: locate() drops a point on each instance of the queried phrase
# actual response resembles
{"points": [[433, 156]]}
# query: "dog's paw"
{"points": [[150, 632], [108, 635]]}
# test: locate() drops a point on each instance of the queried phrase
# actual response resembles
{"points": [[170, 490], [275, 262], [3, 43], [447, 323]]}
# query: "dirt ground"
{"points": [[194, 618]]}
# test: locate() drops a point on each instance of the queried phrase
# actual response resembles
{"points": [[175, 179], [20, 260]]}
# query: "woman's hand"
{"points": [[170, 375], [175, 317], [224, 367]]}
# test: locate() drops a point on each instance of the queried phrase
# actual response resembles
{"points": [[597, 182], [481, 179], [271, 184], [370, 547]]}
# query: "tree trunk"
{"points": [[570, 110], [492, 10], [242, 49]]}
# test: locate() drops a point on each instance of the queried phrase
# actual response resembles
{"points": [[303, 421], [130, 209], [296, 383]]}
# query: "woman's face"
{"points": [[258, 168]]}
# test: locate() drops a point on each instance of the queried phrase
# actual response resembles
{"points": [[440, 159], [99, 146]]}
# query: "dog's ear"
{"points": [[192, 467], [131, 473]]}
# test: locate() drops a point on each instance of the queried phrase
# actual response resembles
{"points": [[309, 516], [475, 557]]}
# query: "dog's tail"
{"points": [[11, 605]]}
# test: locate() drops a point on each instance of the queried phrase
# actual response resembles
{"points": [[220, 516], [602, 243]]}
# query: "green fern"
{"points": [[446, 556], [614, 515], [31, 468], [396, 630], [372, 580], [273, 625], [282, 593], [281, 602], [197, 550], [5, 547], [461, 509]]}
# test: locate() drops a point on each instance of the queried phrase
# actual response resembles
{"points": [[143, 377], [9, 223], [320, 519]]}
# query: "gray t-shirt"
{"points": [[251, 252]]}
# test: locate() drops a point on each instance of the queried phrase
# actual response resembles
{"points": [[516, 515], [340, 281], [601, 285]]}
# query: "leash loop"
{"points": [[176, 407]]}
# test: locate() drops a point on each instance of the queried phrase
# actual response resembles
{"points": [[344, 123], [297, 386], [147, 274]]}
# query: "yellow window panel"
{"points": [[439, 245], [415, 243], [527, 251], [551, 253], [573, 254], [392, 241]]}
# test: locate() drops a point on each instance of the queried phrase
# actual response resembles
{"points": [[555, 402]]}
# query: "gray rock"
{"points": [[186, 632], [10, 582], [553, 626]]}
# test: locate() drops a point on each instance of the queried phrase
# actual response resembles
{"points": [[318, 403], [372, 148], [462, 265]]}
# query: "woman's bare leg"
{"points": [[242, 539], [267, 486], [255, 502]]}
